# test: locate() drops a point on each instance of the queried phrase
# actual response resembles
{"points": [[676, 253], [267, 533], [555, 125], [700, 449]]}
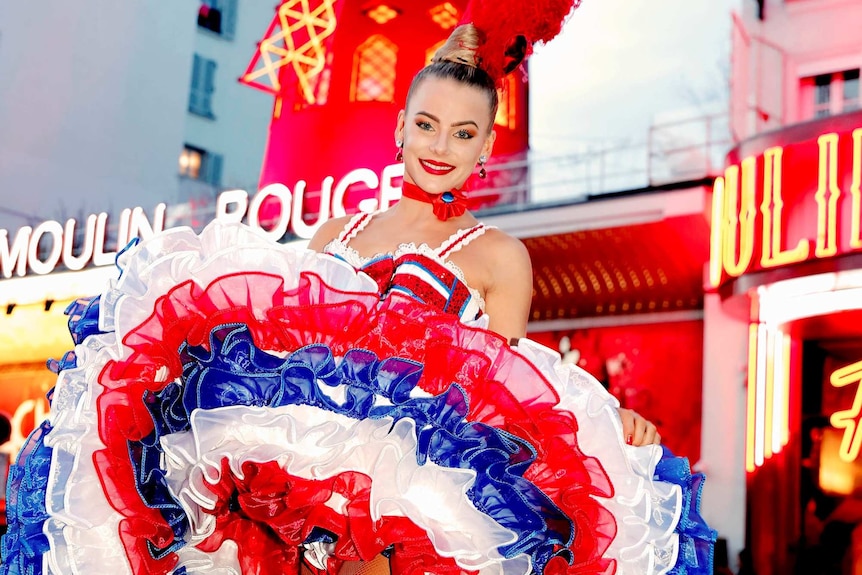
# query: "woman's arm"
{"points": [[327, 232], [507, 302], [510, 291]]}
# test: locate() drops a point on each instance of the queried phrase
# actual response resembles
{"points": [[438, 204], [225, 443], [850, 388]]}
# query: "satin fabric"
{"points": [[236, 404]]}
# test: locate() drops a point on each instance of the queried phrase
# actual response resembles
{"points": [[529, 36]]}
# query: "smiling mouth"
{"points": [[436, 168]]}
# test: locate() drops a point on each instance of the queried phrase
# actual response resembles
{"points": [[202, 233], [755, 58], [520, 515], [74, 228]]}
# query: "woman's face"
{"points": [[445, 128]]}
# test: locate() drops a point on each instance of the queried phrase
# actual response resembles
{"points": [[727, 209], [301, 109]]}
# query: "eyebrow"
{"points": [[455, 125]]}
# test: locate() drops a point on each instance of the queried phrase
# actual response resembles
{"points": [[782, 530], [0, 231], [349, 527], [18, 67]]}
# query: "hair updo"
{"points": [[458, 60]]}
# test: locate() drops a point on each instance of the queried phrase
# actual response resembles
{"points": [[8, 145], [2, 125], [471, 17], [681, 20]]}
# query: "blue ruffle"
{"points": [[233, 371], [24, 543], [696, 539], [83, 318], [83, 322]]}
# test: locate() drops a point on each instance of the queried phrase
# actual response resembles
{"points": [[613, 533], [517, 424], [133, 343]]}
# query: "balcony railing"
{"points": [[674, 151]]}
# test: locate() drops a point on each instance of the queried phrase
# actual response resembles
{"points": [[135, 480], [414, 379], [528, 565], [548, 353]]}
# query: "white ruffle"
{"points": [[315, 444], [152, 268], [83, 529], [647, 511], [222, 561], [81, 517]]}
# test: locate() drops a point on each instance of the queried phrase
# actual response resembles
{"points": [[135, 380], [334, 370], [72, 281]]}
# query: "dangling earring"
{"points": [[482, 173], [399, 157]]}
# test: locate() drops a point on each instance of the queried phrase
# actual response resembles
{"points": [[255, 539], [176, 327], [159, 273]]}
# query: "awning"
{"points": [[623, 254]]}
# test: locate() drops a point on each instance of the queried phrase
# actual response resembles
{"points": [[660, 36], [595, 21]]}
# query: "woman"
{"points": [[233, 406], [446, 130]]}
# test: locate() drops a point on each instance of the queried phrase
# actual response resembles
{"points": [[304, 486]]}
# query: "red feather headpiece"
{"points": [[511, 28]]}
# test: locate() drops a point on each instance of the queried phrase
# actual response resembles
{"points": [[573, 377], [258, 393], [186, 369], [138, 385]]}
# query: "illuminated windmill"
{"points": [[340, 71]]}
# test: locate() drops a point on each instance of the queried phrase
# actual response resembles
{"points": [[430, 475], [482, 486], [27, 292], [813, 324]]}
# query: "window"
{"points": [[198, 164], [218, 16], [827, 94], [851, 90], [203, 86], [822, 94], [507, 110], [374, 71], [445, 15]]}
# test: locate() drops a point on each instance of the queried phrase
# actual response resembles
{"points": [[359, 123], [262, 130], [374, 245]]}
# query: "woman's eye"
{"points": [[463, 134], [424, 125]]}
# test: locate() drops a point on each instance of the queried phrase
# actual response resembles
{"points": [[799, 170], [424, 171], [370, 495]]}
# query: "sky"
{"points": [[620, 64], [617, 67]]}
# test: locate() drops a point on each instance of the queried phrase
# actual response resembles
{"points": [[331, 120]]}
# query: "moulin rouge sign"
{"points": [[788, 204], [275, 210]]}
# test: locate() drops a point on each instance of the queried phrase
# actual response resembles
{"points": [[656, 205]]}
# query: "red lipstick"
{"points": [[436, 168]]}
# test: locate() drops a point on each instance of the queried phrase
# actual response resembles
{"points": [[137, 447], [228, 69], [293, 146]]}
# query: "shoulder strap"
{"points": [[356, 224], [461, 239]]}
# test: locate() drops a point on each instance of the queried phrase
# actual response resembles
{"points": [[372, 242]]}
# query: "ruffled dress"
{"points": [[235, 406]]}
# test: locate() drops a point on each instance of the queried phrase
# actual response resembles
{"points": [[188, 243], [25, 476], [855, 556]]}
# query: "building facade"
{"points": [[225, 127], [618, 277], [117, 119], [785, 284]]}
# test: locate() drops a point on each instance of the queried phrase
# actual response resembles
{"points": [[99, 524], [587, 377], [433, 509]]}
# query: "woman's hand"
{"points": [[637, 430]]}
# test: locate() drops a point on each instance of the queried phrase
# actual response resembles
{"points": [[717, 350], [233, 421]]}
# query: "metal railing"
{"points": [[674, 151]]}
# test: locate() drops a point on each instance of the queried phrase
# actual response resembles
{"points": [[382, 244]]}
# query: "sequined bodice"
{"points": [[421, 272]]}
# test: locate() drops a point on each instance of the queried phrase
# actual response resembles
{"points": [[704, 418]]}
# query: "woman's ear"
{"points": [[399, 127], [488, 146]]}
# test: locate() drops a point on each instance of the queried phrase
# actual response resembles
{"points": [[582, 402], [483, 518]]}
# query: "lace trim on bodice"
{"points": [[458, 240]]}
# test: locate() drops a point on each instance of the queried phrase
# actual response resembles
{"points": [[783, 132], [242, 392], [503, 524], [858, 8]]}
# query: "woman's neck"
{"points": [[445, 206]]}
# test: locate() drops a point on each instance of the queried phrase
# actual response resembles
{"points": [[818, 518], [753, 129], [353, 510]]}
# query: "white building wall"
{"points": [[242, 114], [796, 39], [722, 445], [91, 116]]}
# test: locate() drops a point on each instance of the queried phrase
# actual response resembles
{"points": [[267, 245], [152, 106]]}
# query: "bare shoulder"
{"points": [[502, 248], [327, 232], [509, 290]]}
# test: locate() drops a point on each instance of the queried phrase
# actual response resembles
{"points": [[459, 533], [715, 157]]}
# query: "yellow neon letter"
{"points": [[715, 243], [856, 213], [738, 220], [771, 209], [848, 418], [827, 209]]}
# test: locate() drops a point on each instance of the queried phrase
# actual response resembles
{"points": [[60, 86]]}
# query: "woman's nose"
{"points": [[440, 144]]}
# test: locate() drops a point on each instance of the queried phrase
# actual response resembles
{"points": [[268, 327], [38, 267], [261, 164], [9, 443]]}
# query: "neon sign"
{"points": [[40, 249], [787, 205], [848, 419], [768, 401]]}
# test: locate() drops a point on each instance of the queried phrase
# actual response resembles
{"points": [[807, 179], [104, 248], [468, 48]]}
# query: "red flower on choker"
{"points": [[447, 205]]}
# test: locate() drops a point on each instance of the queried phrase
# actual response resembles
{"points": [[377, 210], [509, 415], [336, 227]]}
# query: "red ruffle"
{"points": [[269, 513], [505, 390]]}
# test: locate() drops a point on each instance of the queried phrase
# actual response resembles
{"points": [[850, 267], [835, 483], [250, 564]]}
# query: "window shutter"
{"points": [[228, 18], [203, 86], [197, 85], [209, 82], [213, 169], [196, 72]]}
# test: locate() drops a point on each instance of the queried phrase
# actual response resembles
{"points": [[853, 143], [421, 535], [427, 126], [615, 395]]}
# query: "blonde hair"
{"points": [[462, 47]]}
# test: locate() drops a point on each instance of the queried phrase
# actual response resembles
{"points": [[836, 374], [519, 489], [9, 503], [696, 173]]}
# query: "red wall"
{"points": [[655, 369], [311, 142]]}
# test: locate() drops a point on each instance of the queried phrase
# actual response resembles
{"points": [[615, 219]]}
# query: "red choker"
{"points": [[447, 205]]}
